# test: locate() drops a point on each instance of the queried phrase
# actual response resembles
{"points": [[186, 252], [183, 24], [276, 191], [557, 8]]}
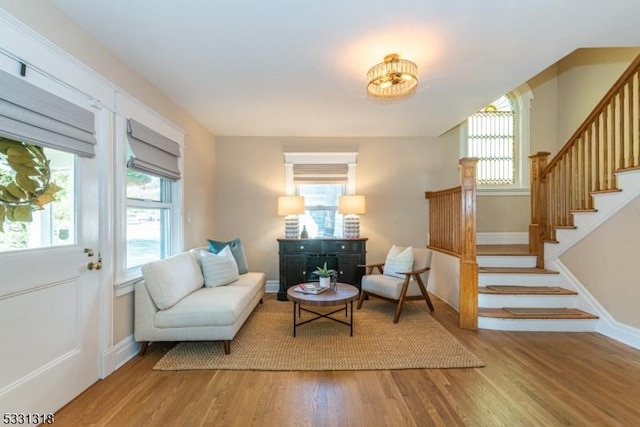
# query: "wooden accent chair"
{"points": [[395, 289]]}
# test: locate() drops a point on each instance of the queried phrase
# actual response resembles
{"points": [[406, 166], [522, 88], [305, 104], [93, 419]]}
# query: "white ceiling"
{"points": [[297, 68]]}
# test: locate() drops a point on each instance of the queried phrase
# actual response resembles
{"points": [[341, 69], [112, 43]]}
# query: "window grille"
{"points": [[491, 138]]}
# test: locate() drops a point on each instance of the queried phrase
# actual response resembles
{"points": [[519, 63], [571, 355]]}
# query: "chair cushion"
{"points": [[171, 279], [388, 286], [237, 250], [218, 269], [398, 262]]}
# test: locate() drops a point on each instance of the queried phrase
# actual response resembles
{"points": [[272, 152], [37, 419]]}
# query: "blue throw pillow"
{"points": [[236, 250]]}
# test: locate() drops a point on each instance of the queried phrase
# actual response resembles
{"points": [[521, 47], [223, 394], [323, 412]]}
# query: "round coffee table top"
{"points": [[343, 295]]}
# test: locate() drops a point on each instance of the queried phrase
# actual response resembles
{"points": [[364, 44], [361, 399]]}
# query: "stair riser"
{"points": [[507, 261], [551, 325], [528, 301], [488, 279]]}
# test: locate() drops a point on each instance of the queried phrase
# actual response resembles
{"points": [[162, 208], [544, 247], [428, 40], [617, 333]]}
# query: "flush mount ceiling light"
{"points": [[392, 78]]}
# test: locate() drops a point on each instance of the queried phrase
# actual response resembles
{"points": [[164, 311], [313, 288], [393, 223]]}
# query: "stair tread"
{"points": [[535, 313], [503, 250], [516, 270], [524, 290]]}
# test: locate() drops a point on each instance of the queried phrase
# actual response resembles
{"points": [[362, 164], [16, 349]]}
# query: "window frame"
{"points": [[126, 277], [520, 99], [346, 158]]}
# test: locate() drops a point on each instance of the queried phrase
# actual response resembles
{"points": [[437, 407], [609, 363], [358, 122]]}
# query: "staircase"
{"points": [[515, 295]]}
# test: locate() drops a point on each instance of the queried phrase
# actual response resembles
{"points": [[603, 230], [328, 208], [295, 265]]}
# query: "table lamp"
{"points": [[290, 207], [351, 207]]}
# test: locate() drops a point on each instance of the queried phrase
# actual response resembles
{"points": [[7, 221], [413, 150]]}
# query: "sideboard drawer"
{"points": [[338, 246], [301, 246]]}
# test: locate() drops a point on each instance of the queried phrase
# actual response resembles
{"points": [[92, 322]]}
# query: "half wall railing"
{"points": [[452, 230]]}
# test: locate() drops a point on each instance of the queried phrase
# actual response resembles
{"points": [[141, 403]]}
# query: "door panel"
{"points": [[49, 313]]}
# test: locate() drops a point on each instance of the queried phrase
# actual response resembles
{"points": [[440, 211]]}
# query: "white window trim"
{"points": [[521, 100], [127, 107]]}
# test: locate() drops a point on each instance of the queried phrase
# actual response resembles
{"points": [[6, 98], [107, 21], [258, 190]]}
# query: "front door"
{"points": [[49, 303]]}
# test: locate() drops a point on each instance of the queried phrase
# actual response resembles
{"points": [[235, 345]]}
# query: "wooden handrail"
{"points": [[607, 142], [624, 79], [452, 230]]}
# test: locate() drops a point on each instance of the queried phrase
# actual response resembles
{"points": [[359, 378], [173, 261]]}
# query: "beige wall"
{"points": [[50, 22], [584, 77], [393, 173], [605, 263]]}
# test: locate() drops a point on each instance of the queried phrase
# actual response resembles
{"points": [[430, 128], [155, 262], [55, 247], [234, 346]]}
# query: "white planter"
{"points": [[324, 281]]}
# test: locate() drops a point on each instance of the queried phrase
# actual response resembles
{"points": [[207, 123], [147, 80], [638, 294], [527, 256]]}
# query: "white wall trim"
{"points": [[272, 287], [511, 238], [116, 356], [606, 325]]}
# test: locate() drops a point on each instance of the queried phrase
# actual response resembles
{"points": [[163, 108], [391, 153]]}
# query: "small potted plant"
{"points": [[324, 274]]}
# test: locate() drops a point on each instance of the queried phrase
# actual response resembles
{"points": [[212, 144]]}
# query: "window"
{"points": [[148, 218], [498, 135], [148, 199], [41, 138], [321, 204], [321, 178], [54, 224]]}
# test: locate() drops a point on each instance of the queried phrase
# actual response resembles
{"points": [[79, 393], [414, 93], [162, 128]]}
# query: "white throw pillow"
{"points": [[398, 262], [218, 269]]}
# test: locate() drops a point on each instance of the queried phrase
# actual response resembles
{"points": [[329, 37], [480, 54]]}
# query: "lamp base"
{"points": [[351, 226], [291, 227]]}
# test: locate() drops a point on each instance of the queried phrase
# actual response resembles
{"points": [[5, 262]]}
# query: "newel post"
{"points": [[538, 226], [468, 262]]}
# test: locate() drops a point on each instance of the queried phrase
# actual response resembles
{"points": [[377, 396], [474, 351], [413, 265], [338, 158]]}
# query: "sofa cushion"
{"points": [[237, 250], [170, 280], [219, 306], [398, 262], [218, 269]]}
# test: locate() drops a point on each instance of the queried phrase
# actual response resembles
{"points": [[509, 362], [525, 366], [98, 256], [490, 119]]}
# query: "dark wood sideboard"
{"points": [[300, 257]]}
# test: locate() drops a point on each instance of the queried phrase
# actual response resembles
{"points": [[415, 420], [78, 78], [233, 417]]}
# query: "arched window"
{"points": [[498, 135]]}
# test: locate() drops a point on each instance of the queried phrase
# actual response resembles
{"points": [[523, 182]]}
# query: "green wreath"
{"points": [[25, 181]]}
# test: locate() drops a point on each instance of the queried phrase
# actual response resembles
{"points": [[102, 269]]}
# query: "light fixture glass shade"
{"points": [[392, 78], [354, 204], [290, 207]]}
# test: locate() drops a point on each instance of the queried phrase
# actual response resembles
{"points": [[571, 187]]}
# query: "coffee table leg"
{"points": [[351, 322], [294, 319]]}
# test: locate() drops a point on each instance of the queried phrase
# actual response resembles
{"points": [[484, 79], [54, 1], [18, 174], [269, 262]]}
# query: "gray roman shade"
{"points": [[33, 115], [151, 152], [320, 173]]}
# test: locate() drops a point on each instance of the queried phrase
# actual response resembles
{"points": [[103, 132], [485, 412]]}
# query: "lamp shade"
{"points": [[290, 205], [352, 205]]}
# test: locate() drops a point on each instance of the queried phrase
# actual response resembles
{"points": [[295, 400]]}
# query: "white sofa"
{"points": [[172, 303]]}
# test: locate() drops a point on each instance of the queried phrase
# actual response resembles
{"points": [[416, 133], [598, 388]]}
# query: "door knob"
{"points": [[95, 265]]}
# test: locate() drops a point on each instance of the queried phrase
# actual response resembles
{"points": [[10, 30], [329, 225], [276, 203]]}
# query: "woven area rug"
{"points": [[266, 343]]}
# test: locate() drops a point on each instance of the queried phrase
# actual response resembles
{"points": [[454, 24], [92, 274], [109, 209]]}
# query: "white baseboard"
{"points": [[118, 355], [512, 238], [272, 287], [606, 325]]}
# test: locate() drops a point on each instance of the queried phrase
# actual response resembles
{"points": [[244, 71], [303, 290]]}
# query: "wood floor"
{"points": [[530, 379]]}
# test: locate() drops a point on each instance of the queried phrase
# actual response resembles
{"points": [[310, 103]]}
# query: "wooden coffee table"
{"points": [[344, 295]]}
